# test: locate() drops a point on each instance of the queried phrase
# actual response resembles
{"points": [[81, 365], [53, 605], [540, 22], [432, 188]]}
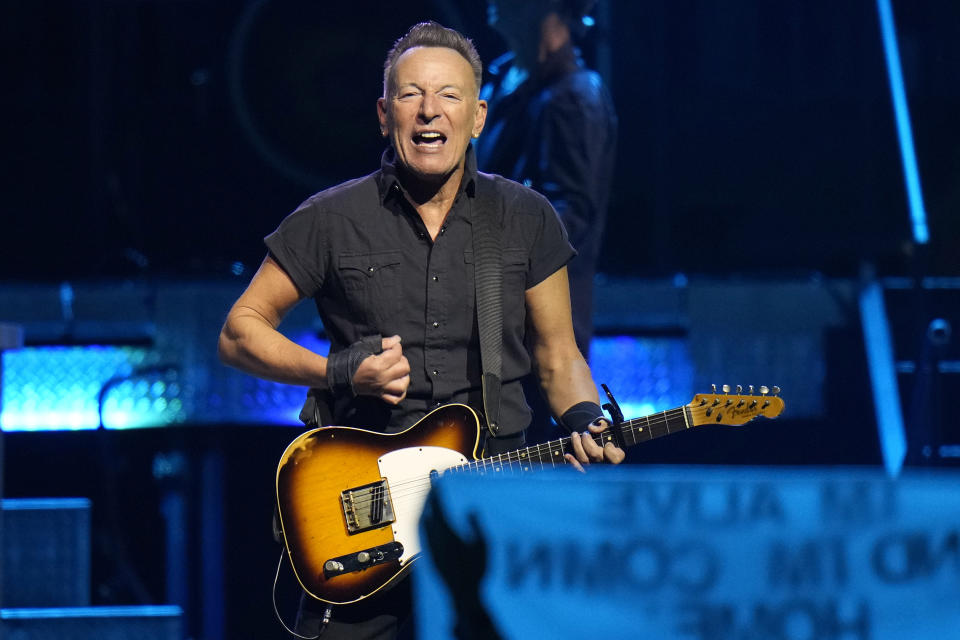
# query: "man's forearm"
{"points": [[566, 385], [250, 344]]}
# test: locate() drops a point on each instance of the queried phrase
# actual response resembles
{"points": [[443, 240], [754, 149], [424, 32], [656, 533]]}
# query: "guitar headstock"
{"points": [[734, 408]]}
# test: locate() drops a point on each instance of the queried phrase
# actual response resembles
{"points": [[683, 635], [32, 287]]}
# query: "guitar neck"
{"points": [[713, 408], [551, 454]]}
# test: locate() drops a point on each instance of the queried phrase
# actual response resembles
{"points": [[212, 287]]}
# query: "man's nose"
{"points": [[429, 108]]}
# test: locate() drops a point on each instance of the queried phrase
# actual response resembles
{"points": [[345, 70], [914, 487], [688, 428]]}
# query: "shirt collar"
{"points": [[388, 182]]}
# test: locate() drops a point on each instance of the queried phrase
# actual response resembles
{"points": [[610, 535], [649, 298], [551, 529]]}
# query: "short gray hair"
{"points": [[431, 34]]}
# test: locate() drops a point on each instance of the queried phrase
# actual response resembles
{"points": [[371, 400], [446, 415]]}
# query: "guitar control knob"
{"points": [[363, 557], [333, 565]]}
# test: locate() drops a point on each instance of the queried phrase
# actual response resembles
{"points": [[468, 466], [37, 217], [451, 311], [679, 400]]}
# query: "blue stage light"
{"points": [[883, 377], [75, 387], [918, 214]]}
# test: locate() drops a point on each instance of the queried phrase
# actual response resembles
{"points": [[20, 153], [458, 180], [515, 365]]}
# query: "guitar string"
{"points": [[418, 485]]}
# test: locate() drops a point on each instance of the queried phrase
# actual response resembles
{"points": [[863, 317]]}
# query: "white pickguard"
{"points": [[408, 476]]}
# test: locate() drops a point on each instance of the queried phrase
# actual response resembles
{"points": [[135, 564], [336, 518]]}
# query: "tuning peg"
{"points": [[714, 387], [751, 389], [764, 390], [726, 388], [776, 390], [739, 388]]}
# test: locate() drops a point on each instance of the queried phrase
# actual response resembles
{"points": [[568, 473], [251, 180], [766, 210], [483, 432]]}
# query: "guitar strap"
{"points": [[488, 283]]}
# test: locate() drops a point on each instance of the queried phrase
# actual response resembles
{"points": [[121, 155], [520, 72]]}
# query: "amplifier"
{"points": [[92, 623], [46, 552]]}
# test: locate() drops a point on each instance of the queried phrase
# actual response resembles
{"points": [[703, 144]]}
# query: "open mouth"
{"points": [[429, 138]]}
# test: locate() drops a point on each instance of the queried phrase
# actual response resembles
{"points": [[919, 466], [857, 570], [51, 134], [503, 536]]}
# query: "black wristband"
{"points": [[343, 365], [580, 415]]}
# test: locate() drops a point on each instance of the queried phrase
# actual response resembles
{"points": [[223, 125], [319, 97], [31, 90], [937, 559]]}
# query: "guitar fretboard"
{"points": [[551, 454]]}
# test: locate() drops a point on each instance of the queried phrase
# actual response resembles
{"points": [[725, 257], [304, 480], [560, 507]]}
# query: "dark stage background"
{"points": [[160, 140], [171, 136]]}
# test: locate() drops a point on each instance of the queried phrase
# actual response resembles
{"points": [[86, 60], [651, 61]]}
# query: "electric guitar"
{"points": [[350, 500]]}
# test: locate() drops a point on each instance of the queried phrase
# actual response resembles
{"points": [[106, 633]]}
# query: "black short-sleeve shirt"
{"points": [[361, 251]]}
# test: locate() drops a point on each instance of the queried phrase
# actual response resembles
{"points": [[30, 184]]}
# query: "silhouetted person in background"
{"points": [[551, 125]]}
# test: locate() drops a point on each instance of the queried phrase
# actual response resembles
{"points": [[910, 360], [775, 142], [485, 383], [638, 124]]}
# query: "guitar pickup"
{"points": [[367, 507], [360, 560]]}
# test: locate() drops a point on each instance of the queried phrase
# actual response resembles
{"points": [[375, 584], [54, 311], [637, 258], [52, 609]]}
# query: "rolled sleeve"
{"points": [[551, 249], [297, 245]]}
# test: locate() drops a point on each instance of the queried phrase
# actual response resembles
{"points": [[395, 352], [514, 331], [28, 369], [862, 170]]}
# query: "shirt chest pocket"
{"points": [[371, 285], [514, 278]]}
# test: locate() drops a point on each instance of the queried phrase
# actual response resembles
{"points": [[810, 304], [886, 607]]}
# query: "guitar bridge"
{"points": [[367, 507]]}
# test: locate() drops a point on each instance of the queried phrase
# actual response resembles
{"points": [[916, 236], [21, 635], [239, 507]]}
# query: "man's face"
{"points": [[433, 111]]}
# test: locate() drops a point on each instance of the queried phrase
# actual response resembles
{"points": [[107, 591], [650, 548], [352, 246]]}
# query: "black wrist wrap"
{"points": [[577, 417], [343, 365]]}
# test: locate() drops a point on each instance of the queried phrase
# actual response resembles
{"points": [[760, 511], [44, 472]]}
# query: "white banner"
{"points": [[693, 553]]}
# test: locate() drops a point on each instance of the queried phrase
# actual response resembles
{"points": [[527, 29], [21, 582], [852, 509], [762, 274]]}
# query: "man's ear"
{"points": [[480, 118], [382, 116]]}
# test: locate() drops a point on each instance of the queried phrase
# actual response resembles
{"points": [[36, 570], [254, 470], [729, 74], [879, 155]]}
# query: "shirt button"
{"points": [[436, 373], [436, 324], [443, 230], [370, 269], [436, 278]]}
